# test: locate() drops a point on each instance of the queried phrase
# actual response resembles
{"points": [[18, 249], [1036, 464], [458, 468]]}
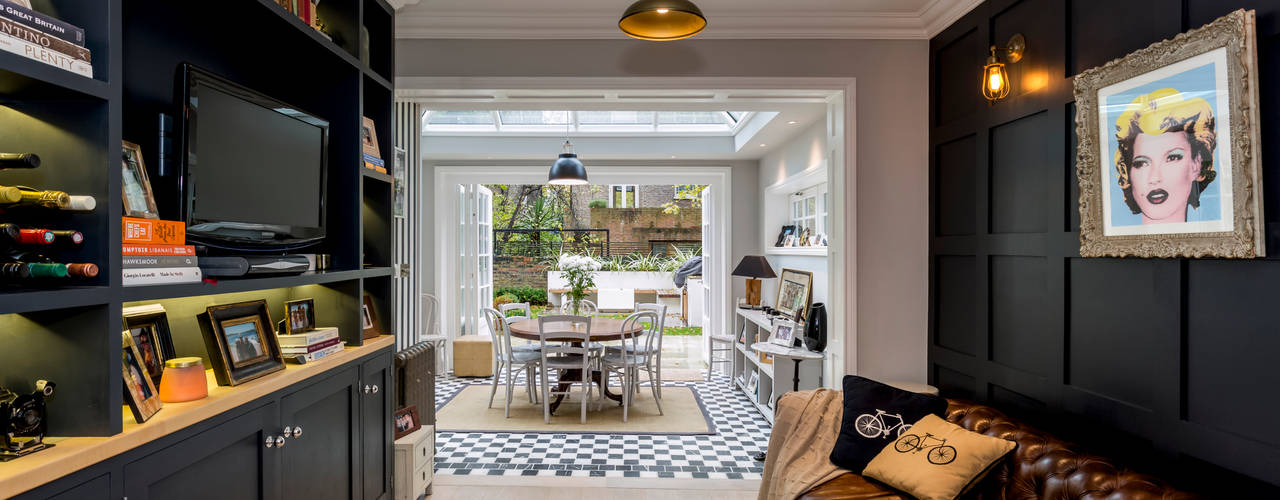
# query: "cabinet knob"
{"points": [[367, 389], [270, 442], [297, 431], [279, 441], [375, 388]]}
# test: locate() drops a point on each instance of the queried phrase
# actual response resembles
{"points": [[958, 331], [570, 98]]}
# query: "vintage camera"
{"points": [[24, 419]]}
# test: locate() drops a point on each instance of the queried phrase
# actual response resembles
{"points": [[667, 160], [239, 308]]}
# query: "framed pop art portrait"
{"points": [[1167, 156]]}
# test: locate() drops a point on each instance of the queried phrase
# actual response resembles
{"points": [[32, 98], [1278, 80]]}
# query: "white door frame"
{"points": [[841, 96]]}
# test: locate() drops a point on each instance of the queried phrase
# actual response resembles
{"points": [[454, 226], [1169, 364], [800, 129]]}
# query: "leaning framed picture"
{"points": [[1168, 160], [139, 391], [300, 316], [406, 421], [240, 342], [369, 319], [149, 327], [795, 290], [369, 137], [135, 186], [783, 333]]}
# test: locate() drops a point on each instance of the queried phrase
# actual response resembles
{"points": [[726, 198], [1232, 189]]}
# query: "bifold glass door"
{"points": [[473, 268]]}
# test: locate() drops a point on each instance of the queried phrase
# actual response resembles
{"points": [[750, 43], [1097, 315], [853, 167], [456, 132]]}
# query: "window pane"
{"points": [[631, 197], [811, 206], [617, 197], [738, 115], [615, 117], [534, 117], [795, 210], [690, 117], [460, 118]]}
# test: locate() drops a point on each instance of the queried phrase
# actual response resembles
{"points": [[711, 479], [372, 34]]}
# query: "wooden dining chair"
{"points": [[509, 360], [635, 354], [565, 349]]}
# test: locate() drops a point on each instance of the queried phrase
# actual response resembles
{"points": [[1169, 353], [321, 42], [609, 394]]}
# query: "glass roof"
{"points": [[577, 122]]}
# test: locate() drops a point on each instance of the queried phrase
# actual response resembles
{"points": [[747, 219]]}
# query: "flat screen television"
{"points": [[252, 167]]}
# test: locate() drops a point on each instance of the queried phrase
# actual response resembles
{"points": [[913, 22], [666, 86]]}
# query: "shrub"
{"points": [[534, 296], [597, 204], [505, 298]]}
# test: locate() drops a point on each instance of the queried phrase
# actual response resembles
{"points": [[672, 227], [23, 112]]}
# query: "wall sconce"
{"points": [[995, 80]]}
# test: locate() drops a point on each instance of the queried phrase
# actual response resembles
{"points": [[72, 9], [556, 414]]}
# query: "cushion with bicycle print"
{"points": [[875, 414], [936, 459]]}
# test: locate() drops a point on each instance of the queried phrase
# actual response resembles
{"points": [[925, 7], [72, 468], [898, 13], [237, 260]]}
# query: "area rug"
{"points": [[683, 410], [683, 375]]}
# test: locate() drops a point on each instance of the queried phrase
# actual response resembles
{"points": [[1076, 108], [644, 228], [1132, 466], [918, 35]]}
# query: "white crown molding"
{"points": [[589, 23], [398, 4]]}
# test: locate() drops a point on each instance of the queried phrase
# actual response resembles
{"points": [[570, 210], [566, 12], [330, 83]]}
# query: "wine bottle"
{"points": [[47, 199], [67, 237], [10, 195], [47, 269], [14, 271], [19, 160], [35, 237], [82, 203], [82, 270]]}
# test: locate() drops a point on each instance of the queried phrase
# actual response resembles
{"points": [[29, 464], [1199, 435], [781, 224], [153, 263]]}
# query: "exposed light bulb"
{"points": [[663, 11], [995, 82], [792, 122]]}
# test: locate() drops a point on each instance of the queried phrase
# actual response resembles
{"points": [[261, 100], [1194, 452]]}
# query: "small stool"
{"points": [[726, 342], [473, 356]]}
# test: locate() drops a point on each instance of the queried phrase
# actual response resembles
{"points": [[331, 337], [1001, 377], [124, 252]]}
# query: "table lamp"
{"points": [[754, 267]]}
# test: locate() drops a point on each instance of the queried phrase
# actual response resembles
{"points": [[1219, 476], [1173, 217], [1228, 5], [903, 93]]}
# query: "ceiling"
{"points": [[727, 19]]}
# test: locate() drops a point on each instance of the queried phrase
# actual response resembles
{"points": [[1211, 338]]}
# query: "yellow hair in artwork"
{"points": [[1161, 111]]}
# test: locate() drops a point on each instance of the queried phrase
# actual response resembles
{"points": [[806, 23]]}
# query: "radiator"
{"points": [[416, 380]]}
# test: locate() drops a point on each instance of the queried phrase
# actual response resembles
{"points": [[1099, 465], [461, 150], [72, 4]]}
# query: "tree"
{"points": [[691, 192]]}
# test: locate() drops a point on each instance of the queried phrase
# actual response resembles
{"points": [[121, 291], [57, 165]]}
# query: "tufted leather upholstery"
{"points": [[1042, 467]]}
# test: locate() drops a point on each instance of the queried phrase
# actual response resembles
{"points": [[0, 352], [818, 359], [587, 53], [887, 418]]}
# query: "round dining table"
{"points": [[602, 330]]}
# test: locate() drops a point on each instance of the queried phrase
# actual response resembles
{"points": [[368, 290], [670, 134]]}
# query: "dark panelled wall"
{"points": [[1170, 365]]}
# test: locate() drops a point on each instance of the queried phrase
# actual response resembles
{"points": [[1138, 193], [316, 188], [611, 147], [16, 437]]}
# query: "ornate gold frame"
{"points": [[1235, 31]]}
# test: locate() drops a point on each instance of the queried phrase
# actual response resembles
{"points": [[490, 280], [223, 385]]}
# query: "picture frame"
{"points": [[399, 180], [369, 137], [235, 362], [369, 319], [795, 292], [784, 333], [1194, 97], [135, 186], [787, 230], [148, 325], [299, 316], [140, 391], [753, 382], [406, 421]]}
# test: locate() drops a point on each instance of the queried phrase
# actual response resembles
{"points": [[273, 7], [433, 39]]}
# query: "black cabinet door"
{"points": [[321, 425], [229, 460], [375, 426]]}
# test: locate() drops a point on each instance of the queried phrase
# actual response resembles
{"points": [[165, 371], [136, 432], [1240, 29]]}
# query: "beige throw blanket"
{"points": [[806, 424]]}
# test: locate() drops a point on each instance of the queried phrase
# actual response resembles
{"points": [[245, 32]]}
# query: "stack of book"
{"points": [[304, 9], [155, 253], [374, 163], [43, 38], [309, 346]]}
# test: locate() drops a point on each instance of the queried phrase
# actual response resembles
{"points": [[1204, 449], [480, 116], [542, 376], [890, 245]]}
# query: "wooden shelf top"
{"points": [[72, 454]]}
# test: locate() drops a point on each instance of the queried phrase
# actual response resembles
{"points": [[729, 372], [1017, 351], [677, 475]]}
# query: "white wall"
{"points": [[808, 149], [889, 178]]}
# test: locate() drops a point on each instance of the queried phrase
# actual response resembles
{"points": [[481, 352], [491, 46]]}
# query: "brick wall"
{"points": [[514, 271], [647, 224]]}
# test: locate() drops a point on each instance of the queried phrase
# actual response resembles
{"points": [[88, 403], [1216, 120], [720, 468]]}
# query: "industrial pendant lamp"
{"points": [[568, 170], [662, 20]]}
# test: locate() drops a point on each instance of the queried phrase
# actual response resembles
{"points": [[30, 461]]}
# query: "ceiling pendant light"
{"points": [[568, 170], [662, 20]]}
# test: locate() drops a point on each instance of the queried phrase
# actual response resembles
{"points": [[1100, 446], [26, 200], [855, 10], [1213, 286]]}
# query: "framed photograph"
{"points": [[139, 200], [406, 421], [149, 327], [240, 343], [752, 382], [369, 137], [787, 230], [300, 316], [783, 333], [795, 289], [369, 319], [139, 390], [399, 180], [1168, 153]]}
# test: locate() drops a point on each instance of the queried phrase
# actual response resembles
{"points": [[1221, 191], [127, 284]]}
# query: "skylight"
{"points": [[584, 122]]}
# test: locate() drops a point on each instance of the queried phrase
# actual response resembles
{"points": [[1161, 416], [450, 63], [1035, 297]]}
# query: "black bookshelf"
{"points": [[76, 124]]}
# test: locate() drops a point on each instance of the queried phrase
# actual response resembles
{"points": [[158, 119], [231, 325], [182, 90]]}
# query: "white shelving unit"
{"points": [[775, 378]]}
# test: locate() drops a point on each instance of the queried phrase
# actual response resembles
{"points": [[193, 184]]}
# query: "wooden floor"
{"points": [[588, 488]]}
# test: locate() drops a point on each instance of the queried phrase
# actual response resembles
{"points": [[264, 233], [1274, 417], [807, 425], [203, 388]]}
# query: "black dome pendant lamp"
{"points": [[568, 170], [662, 20]]}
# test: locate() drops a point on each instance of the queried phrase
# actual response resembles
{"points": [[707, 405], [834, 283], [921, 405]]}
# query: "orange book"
{"points": [[153, 231], [182, 250]]}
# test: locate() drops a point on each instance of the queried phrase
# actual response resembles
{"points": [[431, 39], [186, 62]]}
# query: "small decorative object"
{"points": [[139, 201], [754, 267], [24, 420], [369, 319], [140, 392], [786, 231], [364, 45], [789, 241], [794, 293], [783, 333], [580, 272], [300, 316], [815, 331], [240, 343], [184, 380], [753, 382], [1168, 158], [369, 137], [766, 358], [662, 20], [399, 180], [803, 239], [995, 80], [149, 327], [406, 421]]}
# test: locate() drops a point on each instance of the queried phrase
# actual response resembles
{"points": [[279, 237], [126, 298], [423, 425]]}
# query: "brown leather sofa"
{"points": [[1042, 467]]}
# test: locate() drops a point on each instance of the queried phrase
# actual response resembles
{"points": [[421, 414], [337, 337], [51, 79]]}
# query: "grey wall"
{"points": [[891, 183]]}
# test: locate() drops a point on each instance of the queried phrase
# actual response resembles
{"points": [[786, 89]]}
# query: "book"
{"points": [[50, 57], [157, 250], [40, 38], [310, 348], [160, 276], [368, 158], [154, 261], [309, 357], [153, 231], [308, 338], [47, 24]]}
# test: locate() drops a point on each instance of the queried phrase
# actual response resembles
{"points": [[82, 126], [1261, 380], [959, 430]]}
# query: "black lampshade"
{"points": [[754, 266], [568, 169], [662, 20]]}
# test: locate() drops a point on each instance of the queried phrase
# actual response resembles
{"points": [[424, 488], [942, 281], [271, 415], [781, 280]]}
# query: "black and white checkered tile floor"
{"points": [[740, 433]]}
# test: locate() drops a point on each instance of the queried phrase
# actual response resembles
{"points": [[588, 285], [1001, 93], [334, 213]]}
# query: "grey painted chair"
{"points": [[431, 328], [653, 362], [637, 352], [526, 312], [565, 350], [509, 361]]}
